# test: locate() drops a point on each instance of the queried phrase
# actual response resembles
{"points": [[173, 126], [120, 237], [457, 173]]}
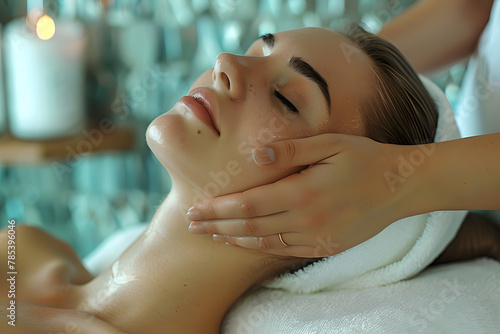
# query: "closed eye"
{"points": [[286, 102]]}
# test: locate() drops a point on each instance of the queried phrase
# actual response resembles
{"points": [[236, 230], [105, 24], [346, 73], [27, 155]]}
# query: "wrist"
{"points": [[413, 166], [430, 184]]}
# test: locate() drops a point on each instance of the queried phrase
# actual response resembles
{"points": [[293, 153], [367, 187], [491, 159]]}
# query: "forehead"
{"points": [[341, 62]]}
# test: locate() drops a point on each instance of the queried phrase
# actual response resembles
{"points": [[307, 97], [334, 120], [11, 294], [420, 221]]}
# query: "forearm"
{"points": [[461, 174], [434, 34]]}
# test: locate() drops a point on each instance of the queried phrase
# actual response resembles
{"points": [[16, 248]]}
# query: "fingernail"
{"points": [[196, 228], [263, 155], [194, 214], [218, 238]]}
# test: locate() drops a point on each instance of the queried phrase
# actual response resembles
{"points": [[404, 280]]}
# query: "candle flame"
{"points": [[45, 27]]}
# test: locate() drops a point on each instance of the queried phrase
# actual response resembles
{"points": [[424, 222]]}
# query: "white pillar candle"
{"points": [[45, 79], [3, 113]]}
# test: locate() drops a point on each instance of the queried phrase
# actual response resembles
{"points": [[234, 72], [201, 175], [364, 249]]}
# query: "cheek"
{"points": [[274, 125], [236, 170], [260, 131], [346, 119]]}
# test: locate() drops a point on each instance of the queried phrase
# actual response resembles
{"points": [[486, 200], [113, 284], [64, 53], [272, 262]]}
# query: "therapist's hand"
{"points": [[350, 193]]}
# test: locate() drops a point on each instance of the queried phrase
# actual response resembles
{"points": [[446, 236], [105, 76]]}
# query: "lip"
{"points": [[202, 103]]}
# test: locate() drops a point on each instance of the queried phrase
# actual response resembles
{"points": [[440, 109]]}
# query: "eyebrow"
{"points": [[303, 68]]}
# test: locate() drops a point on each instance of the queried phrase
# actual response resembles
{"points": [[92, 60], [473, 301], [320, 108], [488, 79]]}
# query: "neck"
{"points": [[178, 275]]}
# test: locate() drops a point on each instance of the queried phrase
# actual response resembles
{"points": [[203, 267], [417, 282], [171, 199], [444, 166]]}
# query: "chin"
{"points": [[174, 139], [165, 137]]}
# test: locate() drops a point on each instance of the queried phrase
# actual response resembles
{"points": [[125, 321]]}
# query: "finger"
{"points": [[297, 152], [245, 227], [308, 252], [294, 244], [250, 203], [304, 251], [267, 242]]}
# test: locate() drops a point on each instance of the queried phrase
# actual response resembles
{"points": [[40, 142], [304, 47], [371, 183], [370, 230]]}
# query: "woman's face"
{"points": [[292, 84]]}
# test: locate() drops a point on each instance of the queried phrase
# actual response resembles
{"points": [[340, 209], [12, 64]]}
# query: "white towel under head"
{"points": [[400, 251]]}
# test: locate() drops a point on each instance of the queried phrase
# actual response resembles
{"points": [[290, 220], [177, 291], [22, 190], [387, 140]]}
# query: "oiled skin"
{"points": [[50, 298], [158, 285]]}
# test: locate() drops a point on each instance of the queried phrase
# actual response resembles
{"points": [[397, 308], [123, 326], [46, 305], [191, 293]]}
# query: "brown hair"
{"points": [[399, 110]]}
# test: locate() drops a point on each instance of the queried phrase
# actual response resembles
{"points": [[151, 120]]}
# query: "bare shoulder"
{"points": [[26, 237], [43, 266], [26, 318], [37, 297]]}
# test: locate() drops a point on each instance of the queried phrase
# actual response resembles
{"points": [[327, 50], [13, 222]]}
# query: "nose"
{"points": [[229, 75]]}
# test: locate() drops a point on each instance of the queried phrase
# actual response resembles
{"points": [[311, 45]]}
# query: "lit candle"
{"points": [[45, 77]]}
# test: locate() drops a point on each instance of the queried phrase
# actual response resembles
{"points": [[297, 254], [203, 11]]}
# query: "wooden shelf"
{"points": [[15, 151]]}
